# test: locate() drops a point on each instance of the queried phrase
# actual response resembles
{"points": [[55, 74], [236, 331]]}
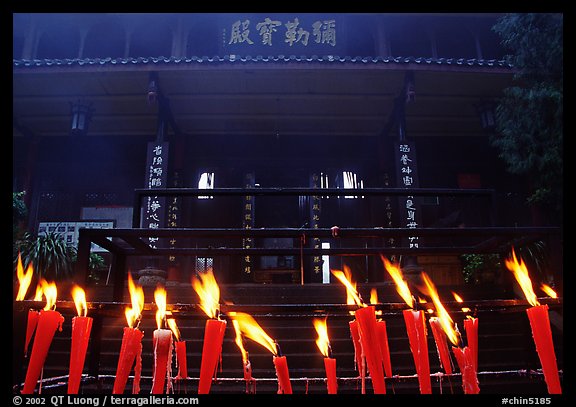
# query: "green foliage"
{"points": [[529, 129], [19, 214], [475, 265], [51, 256]]}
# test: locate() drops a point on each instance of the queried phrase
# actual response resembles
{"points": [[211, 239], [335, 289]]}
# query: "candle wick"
{"points": [[278, 350]]}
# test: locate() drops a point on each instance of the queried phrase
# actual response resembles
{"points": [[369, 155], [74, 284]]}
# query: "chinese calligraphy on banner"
{"points": [[315, 208], [156, 177], [407, 177], [248, 222], [282, 33]]}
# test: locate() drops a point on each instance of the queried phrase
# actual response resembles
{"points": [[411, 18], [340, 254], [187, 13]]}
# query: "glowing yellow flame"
{"points": [[238, 339], [401, 285], [443, 316], [160, 300], [208, 291], [79, 297], [521, 273], [174, 328], [459, 299], [137, 300], [430, 311], [352, 296], [373, 296], [38, 295], [422, 300], [323, 342], [251, 329], [50, 292], [549, 291], [24, 279]]}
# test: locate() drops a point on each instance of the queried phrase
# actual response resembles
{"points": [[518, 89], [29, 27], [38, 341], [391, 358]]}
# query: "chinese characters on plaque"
{"points": [[407, 177], [248, 221], [174, 205], [315, 208], [156, 177], [70, 231]]}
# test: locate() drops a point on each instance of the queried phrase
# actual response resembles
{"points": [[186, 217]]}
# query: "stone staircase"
{"points": [[505, 343]]}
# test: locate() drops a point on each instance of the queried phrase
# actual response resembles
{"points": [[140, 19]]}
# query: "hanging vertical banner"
{"points": [[174, 205], [315, 209], [248, 222], [156, 177], [407, 177]]}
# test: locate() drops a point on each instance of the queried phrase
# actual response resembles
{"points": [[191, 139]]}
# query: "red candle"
{"points": [[542, 334], [471, 329], [281, 366], [130, 353], [416, 329], [181, 360], [331, 380], [81, 327], [48, 322], [441, 344], [384, 348], [540, 325], [211, 349], [131, 348], [358, 354], [162, 344], [30, 328], [369, 338], [465, 359]]}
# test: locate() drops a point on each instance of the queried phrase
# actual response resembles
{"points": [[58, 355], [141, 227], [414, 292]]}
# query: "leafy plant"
{"points": [[19, 214], [476, 266], [50, 255]]}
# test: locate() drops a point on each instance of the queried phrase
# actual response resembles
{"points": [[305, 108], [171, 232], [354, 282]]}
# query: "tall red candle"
{"points": [[131, 348], [211, 349], [181, 360], [542, 334], [331, 378], [441, 345], [48, 322], [323, 343], [162, 344], [281, 366], [81, 327], [31, 325], [384, 347], [358, 353], [465, 359], [471, 329], [369, 338], [416, 329]]}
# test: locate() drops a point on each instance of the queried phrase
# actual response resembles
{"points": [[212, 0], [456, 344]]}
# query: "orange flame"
{"points": [[521, 273], [50, 292], [24, 279], [174, 328], [549, 291], [251, 329], [352, 296], [459, 299], [238, 339], [323, 342], [445, 320], [38, 294], [137, 299], [373, 296], [401, 285], [160, 300], [79, 297], [207, 289]]}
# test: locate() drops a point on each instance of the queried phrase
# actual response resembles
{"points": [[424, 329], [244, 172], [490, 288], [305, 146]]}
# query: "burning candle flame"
{"points": [[160, 300], [373, 296], [137, 299], [352, 296], [323, 342], [459, 299], [174, 328], [24, 279], [445, 320], [50, 292], [207, 289], [251, 329], [238, 338], [401, 286], [79, 297], [549, 291], [38, 294], [521, 273]]}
